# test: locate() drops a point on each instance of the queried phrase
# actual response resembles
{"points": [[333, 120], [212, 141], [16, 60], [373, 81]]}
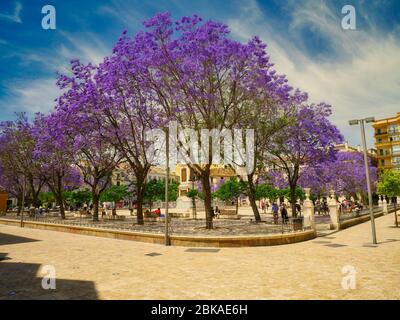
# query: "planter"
{"points": [[298, 223]]}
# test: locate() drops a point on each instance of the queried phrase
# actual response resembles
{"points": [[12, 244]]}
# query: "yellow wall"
{"points": [[385, 141]]}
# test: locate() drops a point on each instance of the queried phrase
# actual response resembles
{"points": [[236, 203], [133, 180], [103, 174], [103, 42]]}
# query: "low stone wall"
{"points": [[352, 222], [177, 240]]}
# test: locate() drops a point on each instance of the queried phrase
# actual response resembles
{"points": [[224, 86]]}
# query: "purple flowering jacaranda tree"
{"points": [[200, 77], [309, 140], [54, 152], [18, 164], [79, 110]]}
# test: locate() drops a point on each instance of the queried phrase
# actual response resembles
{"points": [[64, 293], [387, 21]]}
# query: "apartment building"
{"points": [[387, 142]]}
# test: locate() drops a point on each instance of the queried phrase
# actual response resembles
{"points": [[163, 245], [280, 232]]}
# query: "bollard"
{"points": [[384, 206], [308, 210], [334, 211]]}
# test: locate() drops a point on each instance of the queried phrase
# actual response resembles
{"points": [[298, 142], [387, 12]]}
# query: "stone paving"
{"points": [[99, 268]]}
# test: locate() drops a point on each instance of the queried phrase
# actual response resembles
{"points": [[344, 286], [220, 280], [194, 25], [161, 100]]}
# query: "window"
{"points": [[381, 152], [393, 128], [382, 162], [183, 175], [396, 149], [396, 160], [395, 138]]}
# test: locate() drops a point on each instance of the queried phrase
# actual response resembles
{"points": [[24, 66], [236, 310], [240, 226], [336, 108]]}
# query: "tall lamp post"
{"points": [[167, 238], [361, 123]]}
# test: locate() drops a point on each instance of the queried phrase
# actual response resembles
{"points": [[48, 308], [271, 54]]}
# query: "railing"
{"points": [[356, 214], [180, 226]]}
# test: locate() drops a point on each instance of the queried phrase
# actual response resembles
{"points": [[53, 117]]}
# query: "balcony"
{"points": [[377, 134], [384, 155], [386, 166], [380, 145]]}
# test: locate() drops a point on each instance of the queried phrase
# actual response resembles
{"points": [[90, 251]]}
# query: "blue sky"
{"points": [[356, 71]]}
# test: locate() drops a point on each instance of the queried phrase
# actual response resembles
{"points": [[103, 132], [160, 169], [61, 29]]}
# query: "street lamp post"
{"points": [[361, 122], [167, 238]]}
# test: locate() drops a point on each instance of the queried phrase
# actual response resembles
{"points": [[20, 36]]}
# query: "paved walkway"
{"points": [[90, 267]]}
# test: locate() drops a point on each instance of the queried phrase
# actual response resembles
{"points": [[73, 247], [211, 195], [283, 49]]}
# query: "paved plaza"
{"points": [[98, 268]]}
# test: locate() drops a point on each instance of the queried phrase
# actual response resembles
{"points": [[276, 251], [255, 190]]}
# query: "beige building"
{"points": [[217, 173], [387, 142]]}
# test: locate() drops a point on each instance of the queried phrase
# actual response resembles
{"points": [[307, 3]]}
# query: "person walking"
{"points": [[284, 213], [275, 211], [298, 209]]}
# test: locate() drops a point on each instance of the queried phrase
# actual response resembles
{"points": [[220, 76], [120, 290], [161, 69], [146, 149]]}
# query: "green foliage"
{"points": [[172, 190], [78, 197], [389, 184], [155, 191], [114, 194], [193, 193], [286, 193], [47, 197], [266, 190], [230, 190]]}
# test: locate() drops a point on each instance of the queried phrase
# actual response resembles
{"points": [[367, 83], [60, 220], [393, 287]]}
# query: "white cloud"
{"points": [[124, 11], [30, 96], [86, 47], [38, 95], [362, 77], [15, 16]]}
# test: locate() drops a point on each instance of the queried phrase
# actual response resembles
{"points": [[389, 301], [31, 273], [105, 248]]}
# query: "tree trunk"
{"points": [[395, 215], [194, 213], [96, 200], [293, 200], [19, 204], [60, 202], [252, 198], [62, 209], [140, 196], [59, 195], [205, 181], [237, 206]]}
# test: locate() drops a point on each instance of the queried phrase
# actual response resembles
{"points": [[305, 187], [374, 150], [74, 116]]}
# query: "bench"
{"points": [[228, 214]]}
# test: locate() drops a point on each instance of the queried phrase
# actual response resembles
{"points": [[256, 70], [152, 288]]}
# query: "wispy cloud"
{"points": [[15, 16], [30, 96], [123, 11], [85, 46], [359, 77], [38, 95]]}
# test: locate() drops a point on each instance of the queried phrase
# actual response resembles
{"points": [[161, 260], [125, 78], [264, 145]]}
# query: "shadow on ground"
{"points": [[6, 239], [22, 281]]}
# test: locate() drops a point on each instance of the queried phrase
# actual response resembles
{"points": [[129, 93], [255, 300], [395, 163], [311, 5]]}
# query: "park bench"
{"points": [[114, 217], [228, 214]]}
